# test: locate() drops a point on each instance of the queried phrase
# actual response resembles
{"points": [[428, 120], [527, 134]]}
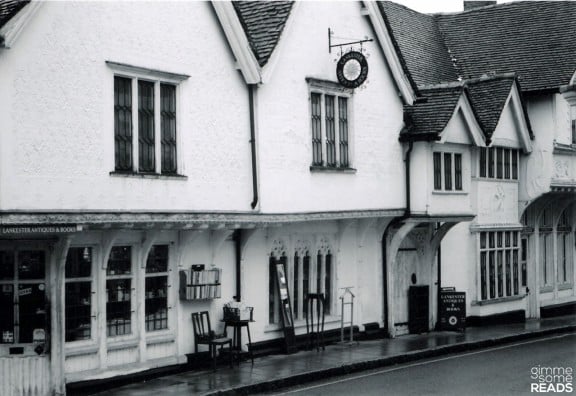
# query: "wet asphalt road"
{"points": [[504, 370]]}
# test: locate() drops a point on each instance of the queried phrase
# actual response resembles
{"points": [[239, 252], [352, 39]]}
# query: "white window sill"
{"points": [[565, 286], [122, 343], [495, 180], [143, 175], [449, 192], [331, 169], [77, 348], [498, 300], [161, 338]]}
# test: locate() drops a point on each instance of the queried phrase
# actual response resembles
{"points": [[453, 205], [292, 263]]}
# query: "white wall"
{"points": [[56, 107], [285, 148]]}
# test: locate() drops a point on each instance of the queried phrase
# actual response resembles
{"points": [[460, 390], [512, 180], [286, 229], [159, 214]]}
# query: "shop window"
{"points": [[156, 288], [499, 264], [23, 304], [136, 100], [78, 312], [498, 163], [329, 112], [546, 248], [564, 245], [119, 291], [447, 171], [307, 274]]}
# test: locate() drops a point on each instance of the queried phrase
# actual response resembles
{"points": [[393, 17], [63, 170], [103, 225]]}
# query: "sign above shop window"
{"points": [[39, 229]]}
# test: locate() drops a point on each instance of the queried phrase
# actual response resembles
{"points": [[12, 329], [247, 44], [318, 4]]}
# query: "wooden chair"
{"points": [[203, 334]]}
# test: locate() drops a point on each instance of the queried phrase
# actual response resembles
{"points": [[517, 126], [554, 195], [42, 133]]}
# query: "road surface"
{"points": [[513, 369]]}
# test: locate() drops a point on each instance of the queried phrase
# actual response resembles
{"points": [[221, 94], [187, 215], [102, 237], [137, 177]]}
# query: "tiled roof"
{"points": [[534, 39], [488, 97], [9, 8], [428, 117], [419, 44], [263, 22]]}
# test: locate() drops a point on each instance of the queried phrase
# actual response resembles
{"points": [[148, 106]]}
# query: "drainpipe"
{"points": [[238, 251], [397, 220], [251, 89]]}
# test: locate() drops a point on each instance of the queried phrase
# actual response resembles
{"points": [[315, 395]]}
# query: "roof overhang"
{"points": [[239, 44], [440, 218], [392, 58], [138, 220], [10, 32]]}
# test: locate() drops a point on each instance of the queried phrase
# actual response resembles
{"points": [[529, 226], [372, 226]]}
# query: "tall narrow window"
{"points": [[327, 282], [515, 164], [316, 129], [506, 164], [119, 291], [330, 131], [458, 172], [491, 163], [447, 171], [297, 301], [146, 136], [156, 288], [305, 280], [499, 163], [168, 127], [78, 312], [499, 253], [482, 160], [123, 123], [330, 104], [23, 305], [343, 122], [437, 171]]}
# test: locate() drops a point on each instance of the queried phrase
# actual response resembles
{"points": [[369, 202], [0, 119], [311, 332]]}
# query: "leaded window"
{"points": [[498, 163], [447, 169], [499, 261], [156, 288], [23, 304], [119, 291], [151, 106], [78, 294]]}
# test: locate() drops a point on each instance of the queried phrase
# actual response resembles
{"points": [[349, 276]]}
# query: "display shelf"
{"points": [[200, 284]]}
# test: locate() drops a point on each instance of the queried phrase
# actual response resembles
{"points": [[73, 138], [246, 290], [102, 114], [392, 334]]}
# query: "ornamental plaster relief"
{"points": [[562, 169], [537, 178], [498, 203]]}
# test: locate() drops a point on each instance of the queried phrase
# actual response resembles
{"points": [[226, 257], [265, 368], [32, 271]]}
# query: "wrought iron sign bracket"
{"points": [[330, 45]]}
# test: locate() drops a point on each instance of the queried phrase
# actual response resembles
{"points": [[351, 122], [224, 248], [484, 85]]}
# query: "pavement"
{"points": [[273, 372]]}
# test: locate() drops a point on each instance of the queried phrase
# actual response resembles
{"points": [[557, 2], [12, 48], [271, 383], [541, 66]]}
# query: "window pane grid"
{"points": [[447, 171], [458, 172], [343, 130], [437, 172], [330, 131], [499, 272], [123, 123], [316, 104], [146, 136], [168, 128]]}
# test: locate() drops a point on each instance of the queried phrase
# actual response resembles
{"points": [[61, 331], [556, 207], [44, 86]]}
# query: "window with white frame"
{"points": [[564, 244], [330, 106], [573, 123], [546, 248], [23, 304], [119, 278], [498, 163], [447, 171], [499, 264], [145, 138], [306, 274], [156, 288], [78, 294]]}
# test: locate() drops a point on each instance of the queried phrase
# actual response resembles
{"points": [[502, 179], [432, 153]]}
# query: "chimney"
{"points": [[472, 4]]}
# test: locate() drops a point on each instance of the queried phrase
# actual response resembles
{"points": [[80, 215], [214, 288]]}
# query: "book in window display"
{"points": [[198, 284]]}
